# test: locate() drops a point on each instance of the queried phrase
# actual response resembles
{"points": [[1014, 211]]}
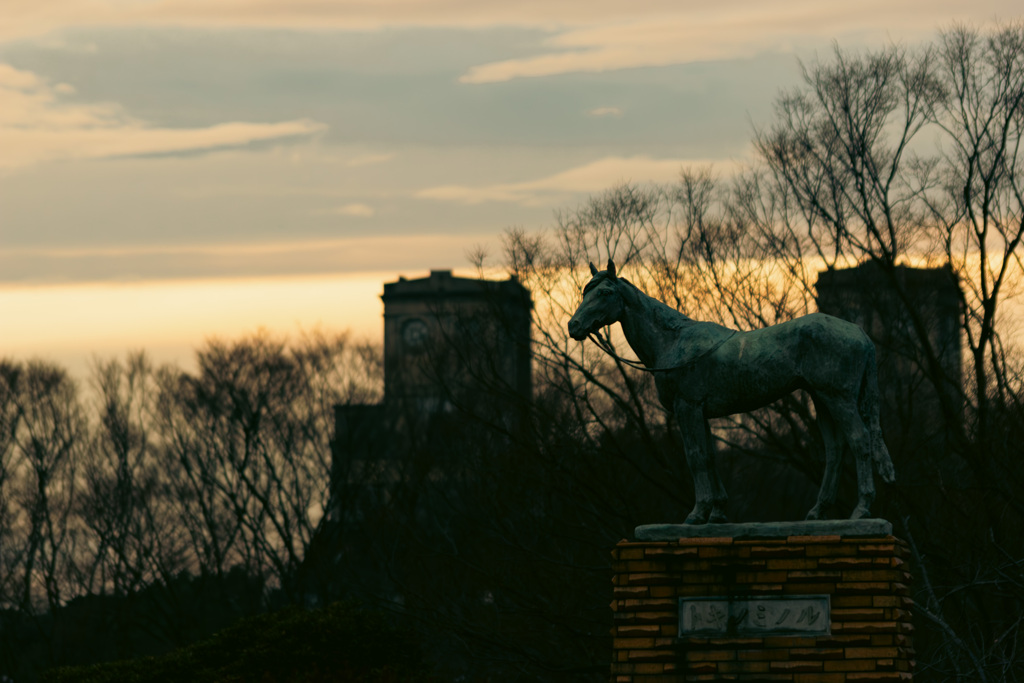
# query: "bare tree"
{"points": [[9, 423], [50, 429], [125, 504], [249, 438]]}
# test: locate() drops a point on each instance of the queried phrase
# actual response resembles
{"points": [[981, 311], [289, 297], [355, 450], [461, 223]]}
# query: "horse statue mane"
{"points": [[701, 337]]}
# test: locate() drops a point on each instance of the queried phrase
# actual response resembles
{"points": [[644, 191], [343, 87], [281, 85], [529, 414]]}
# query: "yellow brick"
{"points": [[871, 575], [672, 551], [831, 551], [632, 643], [796, 667], [857, 614], [801, 563], [631, 630], [694, 565], [649, 668], [813, 539], [736, 642], [851, 601], [788, 641], [809, 588], [768, 551], [816, 653], [702, 667], [710, 540], [743, 667], [702, 577], [642, 566], [850, 562], [648, 605], [710, 655], [763, 654], [814, 575], [766, 588], [651, 577], [819, 677], [864, 587], [886, 549], [871, 653], [850, 665], [760, 577], [864, 627], [847, 640]]}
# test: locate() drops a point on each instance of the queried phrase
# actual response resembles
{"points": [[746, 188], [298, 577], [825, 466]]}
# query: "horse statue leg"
{"points": [[858, 439], [867, 406], [707, 488], [833, 462], [719, 496]]}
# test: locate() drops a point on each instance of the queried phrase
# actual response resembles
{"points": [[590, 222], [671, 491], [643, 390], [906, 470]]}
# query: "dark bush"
{"points": [[341, 642]]}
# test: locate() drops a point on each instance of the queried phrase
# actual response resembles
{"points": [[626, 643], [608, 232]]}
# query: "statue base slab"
{"points": [[847, 528], [824, 601]]}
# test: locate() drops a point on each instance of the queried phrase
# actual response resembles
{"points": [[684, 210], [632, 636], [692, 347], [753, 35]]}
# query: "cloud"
{"points": [[657, 41], [356, 209], [37, 125], [588, 178], [599, 112], [694, 22], [31, 18], [727, 31], [586, 35], [87, 263]]}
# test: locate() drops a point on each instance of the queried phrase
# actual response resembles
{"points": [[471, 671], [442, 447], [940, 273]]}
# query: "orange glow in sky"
{"points": [[70, 324]]}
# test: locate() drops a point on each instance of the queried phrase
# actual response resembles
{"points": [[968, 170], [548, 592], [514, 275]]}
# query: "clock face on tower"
{"points": [[415, 335]]}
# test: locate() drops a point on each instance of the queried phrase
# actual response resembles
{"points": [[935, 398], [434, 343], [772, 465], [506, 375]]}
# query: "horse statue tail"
{"points": [[868, 407]]}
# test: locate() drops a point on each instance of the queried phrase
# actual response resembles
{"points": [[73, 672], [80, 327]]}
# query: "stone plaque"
{"points": [[763, 615]]}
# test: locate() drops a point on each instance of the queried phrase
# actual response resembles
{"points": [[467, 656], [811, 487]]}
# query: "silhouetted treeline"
{"points": [[153, 504]]}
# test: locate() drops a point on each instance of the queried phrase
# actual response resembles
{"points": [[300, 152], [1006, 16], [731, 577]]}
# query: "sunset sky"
{"points": [[177, 169]]}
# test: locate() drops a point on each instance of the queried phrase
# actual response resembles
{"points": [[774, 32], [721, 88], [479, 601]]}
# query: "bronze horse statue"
{"points": [[704, 370]]}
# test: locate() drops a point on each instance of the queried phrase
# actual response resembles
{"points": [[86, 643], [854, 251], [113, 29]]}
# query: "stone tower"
{"points": [[914, 317], [453, 347], [449, 338]]}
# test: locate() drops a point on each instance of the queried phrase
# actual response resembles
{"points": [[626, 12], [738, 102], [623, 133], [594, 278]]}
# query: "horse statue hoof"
{"points": [[860, 512], [698, 516]]}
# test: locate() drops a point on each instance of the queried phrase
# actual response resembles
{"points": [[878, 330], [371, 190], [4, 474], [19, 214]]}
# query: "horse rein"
{"points": [[605, 345]]}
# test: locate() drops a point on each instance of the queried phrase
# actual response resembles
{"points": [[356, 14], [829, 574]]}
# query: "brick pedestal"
{"points": [[865, 579]]}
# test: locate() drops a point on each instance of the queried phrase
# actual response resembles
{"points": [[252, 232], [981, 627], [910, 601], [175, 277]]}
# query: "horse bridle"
{"points": [[605, 345]]}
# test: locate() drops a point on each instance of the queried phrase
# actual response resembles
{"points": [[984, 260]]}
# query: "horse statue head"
{"points": [[602, 303]]}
